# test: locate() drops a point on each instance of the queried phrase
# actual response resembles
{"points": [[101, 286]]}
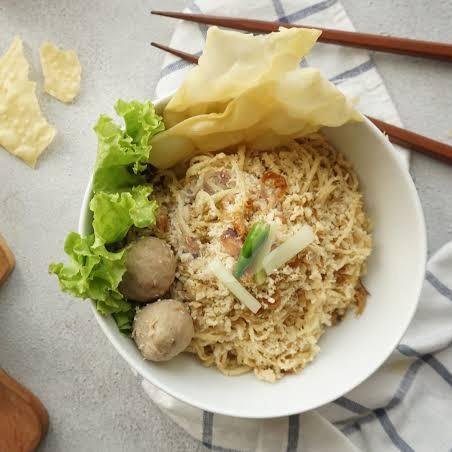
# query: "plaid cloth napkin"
{"points": [[407, 404]]}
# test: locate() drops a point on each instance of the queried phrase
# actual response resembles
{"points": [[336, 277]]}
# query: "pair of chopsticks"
{"points": [[426, 49]]}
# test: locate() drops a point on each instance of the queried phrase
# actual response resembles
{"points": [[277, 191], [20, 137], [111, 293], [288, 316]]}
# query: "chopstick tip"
{"points": [[163, 13]]}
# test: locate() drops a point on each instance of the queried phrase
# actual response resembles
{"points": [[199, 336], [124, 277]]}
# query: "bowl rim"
{"points": [[140, 367]]}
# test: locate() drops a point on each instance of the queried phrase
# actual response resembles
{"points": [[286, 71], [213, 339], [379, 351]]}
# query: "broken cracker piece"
{"points": [[62, 72], [24, 131]]}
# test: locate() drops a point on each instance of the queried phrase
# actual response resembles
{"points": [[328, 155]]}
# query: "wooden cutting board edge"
{"points": [[28, 397], [7, 257], [20, 427]]}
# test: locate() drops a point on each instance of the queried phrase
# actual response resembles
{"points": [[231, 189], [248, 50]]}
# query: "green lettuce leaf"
{"points": [[124, 320], [121, 199], [93, 272], [115, 213], [123, 154]]}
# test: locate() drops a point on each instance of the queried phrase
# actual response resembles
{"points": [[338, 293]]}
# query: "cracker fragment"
{"points": [[24, 131], [62, 72]]}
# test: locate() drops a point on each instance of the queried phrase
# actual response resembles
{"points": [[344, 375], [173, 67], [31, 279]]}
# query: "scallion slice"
{"points": [[288, 249], [231, 283]]}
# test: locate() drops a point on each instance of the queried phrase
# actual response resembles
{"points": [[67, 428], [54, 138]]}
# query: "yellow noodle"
{"points": [[300, 300]]}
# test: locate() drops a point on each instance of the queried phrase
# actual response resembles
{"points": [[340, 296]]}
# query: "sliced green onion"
{"points": [[260, 277], [228, 280], [288, 249], [259, 273], [254, 240]]}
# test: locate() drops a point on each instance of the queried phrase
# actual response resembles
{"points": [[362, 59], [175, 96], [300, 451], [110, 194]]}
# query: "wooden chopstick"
{"points": [[183, 55], [414, 141], [391, 44], [397, 135]]}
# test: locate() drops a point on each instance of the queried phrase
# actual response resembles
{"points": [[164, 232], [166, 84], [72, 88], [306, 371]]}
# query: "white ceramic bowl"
{"points": [[351, 351]]}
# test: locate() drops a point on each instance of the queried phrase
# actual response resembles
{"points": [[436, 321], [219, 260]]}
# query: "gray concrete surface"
{"points": [[52, 343]]}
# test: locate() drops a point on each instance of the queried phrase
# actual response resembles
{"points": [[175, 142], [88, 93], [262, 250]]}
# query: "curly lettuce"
{"points": [[93, 272], [124, 321], [122, 154], [115, 213], [121, 199]]}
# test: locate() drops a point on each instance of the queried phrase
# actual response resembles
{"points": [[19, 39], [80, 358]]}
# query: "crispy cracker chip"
{"points": [[13, 65], [62, 72], [249, 90], [233, 62], [24, 131]]}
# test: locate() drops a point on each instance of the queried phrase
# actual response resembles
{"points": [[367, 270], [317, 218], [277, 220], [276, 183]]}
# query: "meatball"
{"points": [[162, 330], [151, 267]]}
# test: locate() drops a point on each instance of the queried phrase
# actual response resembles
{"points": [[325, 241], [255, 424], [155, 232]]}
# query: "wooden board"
{"points": [[7, 261], [23, 418]]}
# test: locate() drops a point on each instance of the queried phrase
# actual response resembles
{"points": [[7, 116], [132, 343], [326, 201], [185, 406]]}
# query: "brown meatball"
{"points": [[162, 330], [151, 267]]}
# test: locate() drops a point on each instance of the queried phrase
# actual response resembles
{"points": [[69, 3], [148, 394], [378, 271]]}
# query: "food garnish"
{"points": [[121, 199], [115, 213], [259, 273], [254, 240], [231, 242], [231, 283], [288, 249], [93, 272], [122, 154], [124, 321], [249, 90]]}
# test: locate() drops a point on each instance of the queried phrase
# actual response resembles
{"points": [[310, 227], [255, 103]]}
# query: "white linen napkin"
{"points": [[405, 404]]}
